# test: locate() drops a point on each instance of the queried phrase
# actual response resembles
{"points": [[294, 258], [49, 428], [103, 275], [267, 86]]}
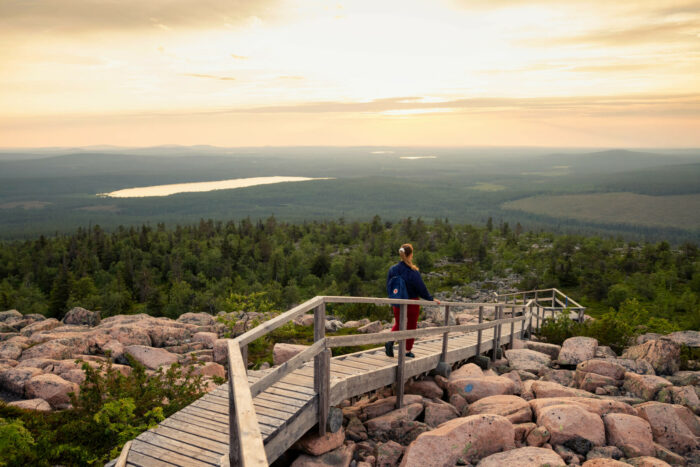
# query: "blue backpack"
{"points": [[396, 288]]}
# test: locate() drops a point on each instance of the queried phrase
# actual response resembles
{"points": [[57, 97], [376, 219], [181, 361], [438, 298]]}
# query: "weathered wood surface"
{"points": [[198, 435]]}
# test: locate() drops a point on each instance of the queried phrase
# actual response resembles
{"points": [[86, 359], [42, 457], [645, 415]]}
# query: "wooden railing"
{"points": [[557, 299], [246, 443]]}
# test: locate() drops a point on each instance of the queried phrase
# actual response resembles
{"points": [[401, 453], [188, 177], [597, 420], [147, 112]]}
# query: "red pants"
{"points": [[411, 321]]}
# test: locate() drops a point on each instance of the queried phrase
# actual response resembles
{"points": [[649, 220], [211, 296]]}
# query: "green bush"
{"points": [[16, 443]]}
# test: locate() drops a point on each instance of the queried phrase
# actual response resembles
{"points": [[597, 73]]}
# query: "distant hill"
{"points": [[617, 160]]}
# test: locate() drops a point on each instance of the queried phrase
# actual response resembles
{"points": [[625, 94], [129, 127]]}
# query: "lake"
{"points": [[197, 187]]}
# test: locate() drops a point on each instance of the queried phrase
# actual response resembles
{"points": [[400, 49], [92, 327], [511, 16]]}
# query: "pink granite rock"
{"points": [[315, 444], [538, 436], [521, 432], [687, 416], [389, 453], [39, 405], [44, 325], [599, 407], [578, 349], [563, 377], [371, 328], [198, 319], [473, 389], [221, 351], [527, 360], [544, 389], [662, 354], [282, 352], [469, 370], [550, 349], [523, 457], [603, 462], [426, 388], [592, 381], [668, 428], [684, 395], [114, 349], [14, 379], [150, 357], [385, 422], [164, 335], [644, 386], [514, 408], [386, 405], [470, 438], [10, 350], [438, 412], [647, 461], [80, 315], [50, 349], [210, 369], [206, 338], [627, 430], [565, 422], [602, 367], [131, 334], [340, 457], [52, 388]]}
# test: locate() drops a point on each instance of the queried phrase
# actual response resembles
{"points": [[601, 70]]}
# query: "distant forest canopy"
{"points": [[210, 265], [57, 191]]}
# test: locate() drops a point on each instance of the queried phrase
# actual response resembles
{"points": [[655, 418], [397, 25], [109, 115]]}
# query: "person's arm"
{"points": [[420, 286]]}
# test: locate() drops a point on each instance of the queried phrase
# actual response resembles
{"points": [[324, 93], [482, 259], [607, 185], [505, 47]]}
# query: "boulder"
{"points": [[45, 325], [522, 430], [641, 367], [355, 430], [604, 452], [340, 457], [647, 461], [603, 462], [688, 338], [52, 388], [514, 376], [473, 389], [39, 405], [151, 358], [114, 349], [438, 412], [10, 315], [51, 349], [82, 316], [10, 350], [47, 365], [389, 453], [578, 349], [221, 351], [165, 336], [592, 381], [206, 338], [644, 386], [550, 349], [386, 422], [563, 377], [624, 430], [538, 436], [470, 438], [662, 354], [371, 328], [599, 407], [469, 370], [130, 334], [282, 352], [426, 388], [306, 320], [527, 360], [669, 456], [667, 427], [514, 408], [602, 367], [14, 379], [565, 422], [210, 369], [690, 420], [198, 319], [332, 325], [523, 457], [544, 389], [685, 378], [684, 395], [315, 444], [603, 351], [386, 405]]}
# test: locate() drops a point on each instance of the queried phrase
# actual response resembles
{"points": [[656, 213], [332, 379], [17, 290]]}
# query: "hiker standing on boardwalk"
{"points": [[404, 281]]}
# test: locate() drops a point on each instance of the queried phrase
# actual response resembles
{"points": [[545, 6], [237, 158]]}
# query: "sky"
{"points": [[579, 73]]}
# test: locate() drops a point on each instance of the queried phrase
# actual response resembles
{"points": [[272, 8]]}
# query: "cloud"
{"points": [[685, 31], [220, 78], [79, 16], [239, 57]]}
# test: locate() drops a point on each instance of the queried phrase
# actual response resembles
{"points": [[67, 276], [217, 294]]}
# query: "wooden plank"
{"points": [[287, 367], [162, 455], [323, 387], [196, 440], [288, 401], [369, 360], [277, 321], [201, 422], [284, 407], [199, 453], [138, 459], [362, 366], [279, 389], [305, 419], [121, 461], [275, 413], [245, 443]]}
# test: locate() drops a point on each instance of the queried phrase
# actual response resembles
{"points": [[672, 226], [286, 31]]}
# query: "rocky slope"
{"points": [[578, 404]]}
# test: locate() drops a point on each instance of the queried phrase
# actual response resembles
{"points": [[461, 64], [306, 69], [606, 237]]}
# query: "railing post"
{"points": [[322, 369], [537, 326], [478, 333], [512, 329], [244, 355], [234, 449], [536, 292], [402, 357], [443, 368], [554, 298], [495, 334]]}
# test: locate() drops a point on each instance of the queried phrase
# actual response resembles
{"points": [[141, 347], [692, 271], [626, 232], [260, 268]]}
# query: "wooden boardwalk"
{"points": [[256, 412], [198, 435]]}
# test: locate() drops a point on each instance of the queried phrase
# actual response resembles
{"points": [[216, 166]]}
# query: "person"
{"points": [[416, 289]]}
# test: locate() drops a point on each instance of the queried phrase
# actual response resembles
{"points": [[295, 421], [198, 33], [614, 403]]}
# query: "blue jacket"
{"points": [[414, 283]]}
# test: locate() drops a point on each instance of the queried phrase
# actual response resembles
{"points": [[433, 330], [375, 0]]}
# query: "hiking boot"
{"points": [[410, 355], [389, 349]]}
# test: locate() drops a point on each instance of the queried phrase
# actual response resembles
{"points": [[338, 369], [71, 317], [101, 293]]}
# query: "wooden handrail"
{"points": [[243, 422], [277, 321]]}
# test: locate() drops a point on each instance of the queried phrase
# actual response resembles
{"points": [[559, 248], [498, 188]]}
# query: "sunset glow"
{"points": [[432, 72]]}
